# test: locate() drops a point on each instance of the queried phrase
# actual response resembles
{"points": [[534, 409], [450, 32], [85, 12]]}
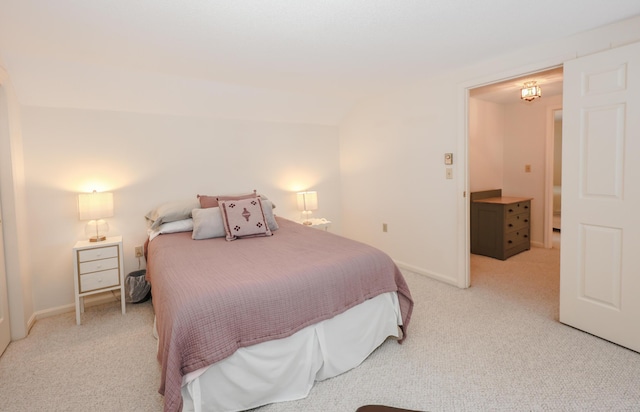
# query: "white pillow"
{"points": [[268, 214], [207, 223], [184, 225], [170, 212]]}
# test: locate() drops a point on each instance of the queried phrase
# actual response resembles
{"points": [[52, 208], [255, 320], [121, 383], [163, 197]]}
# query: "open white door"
{"points": [[600, 260], [5, 327]]}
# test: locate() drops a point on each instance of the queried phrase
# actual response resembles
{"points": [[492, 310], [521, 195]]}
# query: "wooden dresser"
{"points": [[500, 225]]}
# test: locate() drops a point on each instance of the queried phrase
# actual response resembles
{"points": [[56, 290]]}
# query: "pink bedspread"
{"points": [[212, 297]]}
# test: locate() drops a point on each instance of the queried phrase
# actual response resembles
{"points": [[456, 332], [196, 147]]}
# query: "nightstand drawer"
{"points": [[98, 253], [97, 265], [99, 280]]}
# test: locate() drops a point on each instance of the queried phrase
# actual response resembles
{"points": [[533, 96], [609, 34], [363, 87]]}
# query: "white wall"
{"points": [[148, 159], [392, 159], [12, 191], [486, 145], [392, 156], [524, 144]]}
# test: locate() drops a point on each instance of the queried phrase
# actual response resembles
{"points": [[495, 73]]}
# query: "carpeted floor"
{"points": [[495, 346]]}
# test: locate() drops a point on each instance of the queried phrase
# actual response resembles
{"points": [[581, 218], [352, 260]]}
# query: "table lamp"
{"points": [[94, 207], [307, 203]]}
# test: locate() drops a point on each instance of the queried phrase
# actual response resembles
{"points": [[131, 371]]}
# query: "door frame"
{"points": [[548, 176], [464, 225]]}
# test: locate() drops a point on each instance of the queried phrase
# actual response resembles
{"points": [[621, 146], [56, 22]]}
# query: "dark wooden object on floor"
{"points": [[500, 225], [381, 408]]}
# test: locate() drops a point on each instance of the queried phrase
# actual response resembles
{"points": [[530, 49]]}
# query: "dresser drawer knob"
{"points": [[510, 224]]}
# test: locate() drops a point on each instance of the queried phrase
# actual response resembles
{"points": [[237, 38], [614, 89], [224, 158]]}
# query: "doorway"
{"points": [[512, 144]]}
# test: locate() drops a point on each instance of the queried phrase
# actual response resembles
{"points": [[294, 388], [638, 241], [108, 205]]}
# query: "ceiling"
{"points": [[508, 92], [346, 49]]}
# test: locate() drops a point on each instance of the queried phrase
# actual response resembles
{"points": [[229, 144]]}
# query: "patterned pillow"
{"points": [[244, 218]]}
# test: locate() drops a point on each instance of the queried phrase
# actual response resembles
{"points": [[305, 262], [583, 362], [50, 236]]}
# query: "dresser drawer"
{"points": [[515, 222], [98, 265], [516, 238], [99, 280], [97, 253], [517, 208]]}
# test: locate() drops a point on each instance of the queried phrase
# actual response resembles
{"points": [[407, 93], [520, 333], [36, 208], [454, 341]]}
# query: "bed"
{"points": [[258, 320]]}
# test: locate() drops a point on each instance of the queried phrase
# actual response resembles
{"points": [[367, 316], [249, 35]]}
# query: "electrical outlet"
{"points": [[384, 227], [139, 251], [527, 168], [449, 173]]}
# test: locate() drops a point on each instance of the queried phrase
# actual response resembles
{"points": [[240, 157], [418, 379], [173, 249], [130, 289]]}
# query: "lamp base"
{"points": [[307, 223], [96, 230]]}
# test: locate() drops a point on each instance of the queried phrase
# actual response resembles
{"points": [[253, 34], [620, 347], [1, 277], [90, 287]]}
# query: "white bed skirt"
{"points": [[286, 369]]}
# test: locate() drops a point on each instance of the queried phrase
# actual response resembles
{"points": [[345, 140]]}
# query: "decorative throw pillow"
{"points": [[207, 223], [244, 218]]}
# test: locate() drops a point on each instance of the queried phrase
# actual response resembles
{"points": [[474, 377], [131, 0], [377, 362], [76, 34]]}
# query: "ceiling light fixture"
{"points": [[530, 91]]}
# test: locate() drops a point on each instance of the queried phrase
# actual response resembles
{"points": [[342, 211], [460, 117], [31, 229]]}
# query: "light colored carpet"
{"points": [[495, 346]]}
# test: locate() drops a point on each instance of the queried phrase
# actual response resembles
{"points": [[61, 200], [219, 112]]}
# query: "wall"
{"points": [[486, 145], [392, 156], [12, 191], [391, 152], [524, 144], [148, 159]]}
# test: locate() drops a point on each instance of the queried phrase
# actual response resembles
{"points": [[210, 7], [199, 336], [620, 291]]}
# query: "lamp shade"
{"points": [[94, 205], [307, 201]]}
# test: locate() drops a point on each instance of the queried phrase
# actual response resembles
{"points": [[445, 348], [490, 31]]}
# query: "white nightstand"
{"points": [[98, 267], [319, 223]]}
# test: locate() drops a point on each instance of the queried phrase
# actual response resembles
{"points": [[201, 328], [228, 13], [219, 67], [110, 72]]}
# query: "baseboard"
{"points": [[89, 301], [427, 273], [537, 244], [31, 322]]}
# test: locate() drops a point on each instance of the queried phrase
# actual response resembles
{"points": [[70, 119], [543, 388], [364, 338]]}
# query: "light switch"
{"points": [[448, 158]]}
